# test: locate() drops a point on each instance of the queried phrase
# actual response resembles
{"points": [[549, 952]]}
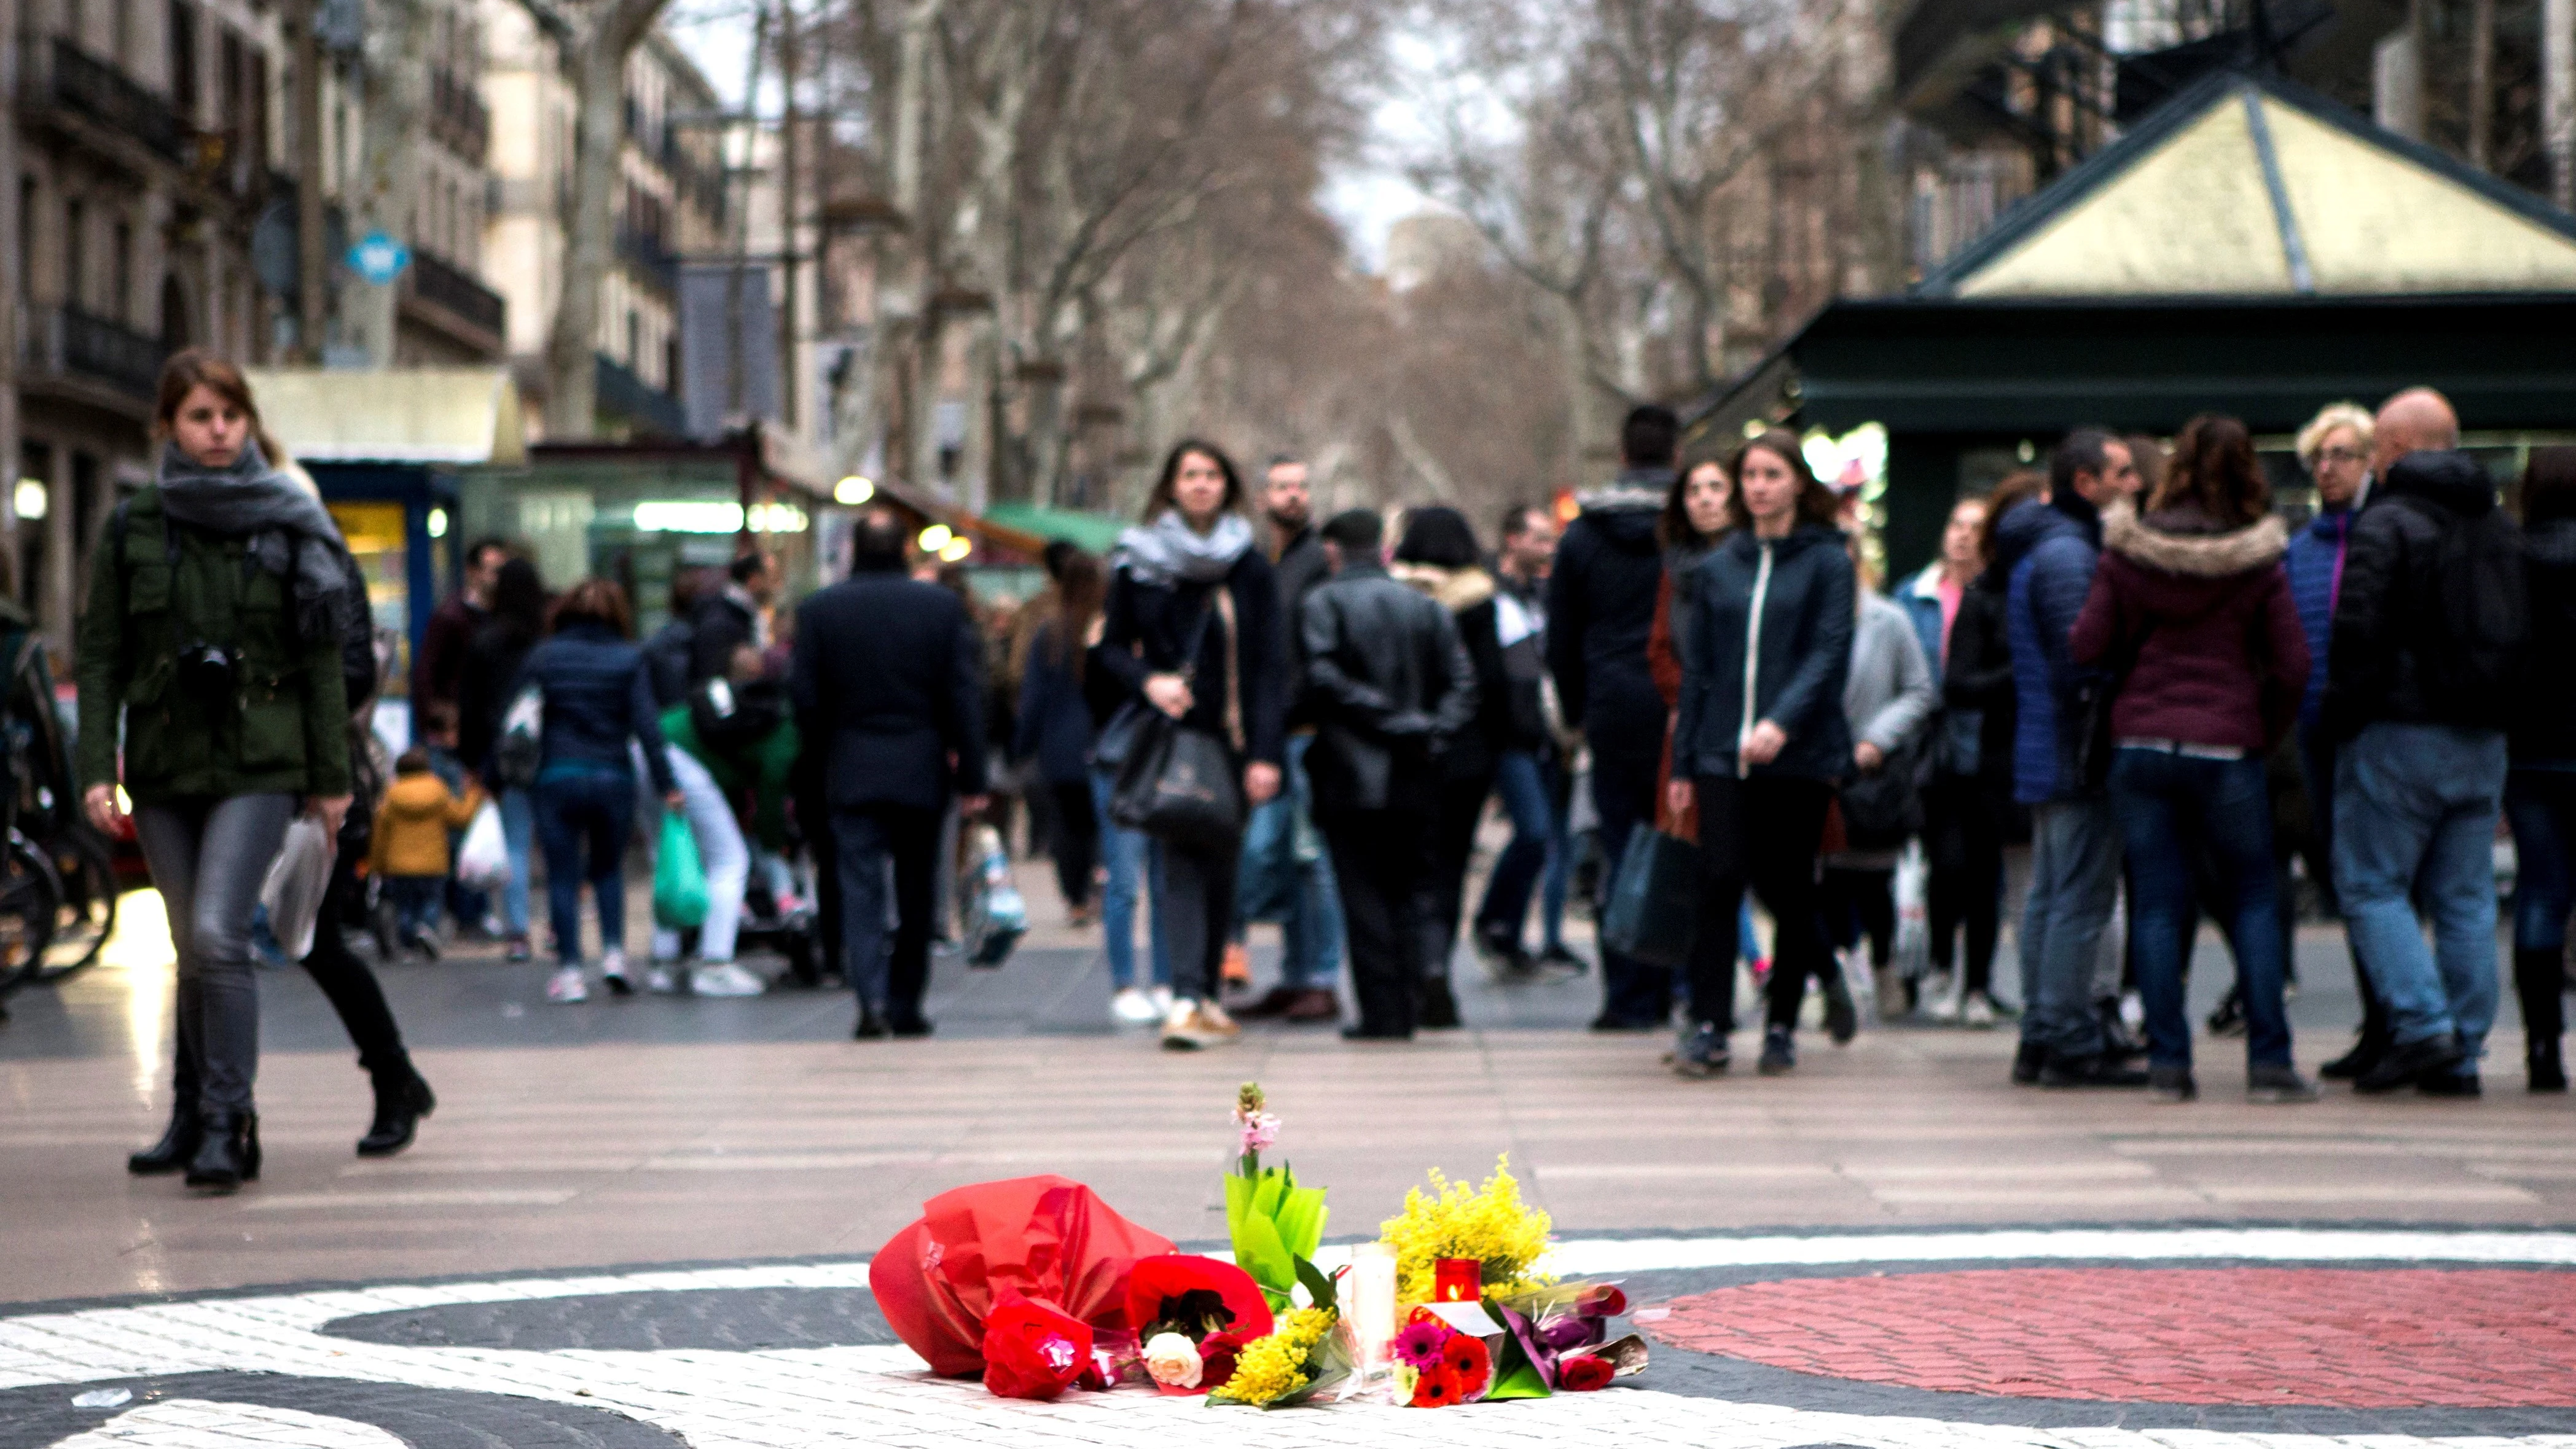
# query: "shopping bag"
{"points": [[295, 884], [1654, 900], [483, 861], [1178, 785], [996, 914], [1913, 952], [679, 877]]}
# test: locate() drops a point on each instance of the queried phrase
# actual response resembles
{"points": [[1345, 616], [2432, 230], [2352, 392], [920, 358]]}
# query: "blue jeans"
{"points": [[2172, 810], [1300, 893], [2541, 806], [415, 902], [577, 808], [2074, 877], [2415, 818], [1133, 860], [518, 832], [1538, 859]]}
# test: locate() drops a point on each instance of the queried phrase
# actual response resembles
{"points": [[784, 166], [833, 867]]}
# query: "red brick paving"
{"points": [[2329, 1337]]}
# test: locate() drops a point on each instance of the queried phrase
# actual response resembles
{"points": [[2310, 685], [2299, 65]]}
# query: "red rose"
{"points": [[1582, 1373], [1218, 1353], [1435, 1388], [1605, 1301], [1033, 1349], [1469, 1362], [1195, 1296]]}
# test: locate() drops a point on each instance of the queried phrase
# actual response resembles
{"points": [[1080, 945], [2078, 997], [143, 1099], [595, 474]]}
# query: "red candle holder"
{"points": [[1457, 1280]]}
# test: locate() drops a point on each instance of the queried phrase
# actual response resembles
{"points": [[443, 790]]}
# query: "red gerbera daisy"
{"points": [[1469, 1362], [1435, 1388]]}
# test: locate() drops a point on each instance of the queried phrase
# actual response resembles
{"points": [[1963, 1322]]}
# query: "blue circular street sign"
{"points": [[378, 257]]}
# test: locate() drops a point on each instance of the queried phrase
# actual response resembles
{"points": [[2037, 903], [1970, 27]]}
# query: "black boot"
{"points": [[227, 1150], [178, 1143], [1437, 1006], [2540, 979], [402, 1099]]}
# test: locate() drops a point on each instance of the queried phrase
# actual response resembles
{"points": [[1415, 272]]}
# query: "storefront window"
{"points": [[377, 541]]}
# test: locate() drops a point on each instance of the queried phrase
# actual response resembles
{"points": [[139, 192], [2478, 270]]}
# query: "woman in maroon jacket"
{"points": [[2191, 615]]}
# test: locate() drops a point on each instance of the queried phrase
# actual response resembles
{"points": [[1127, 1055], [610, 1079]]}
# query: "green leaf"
{"points": [[1319, 1286]]}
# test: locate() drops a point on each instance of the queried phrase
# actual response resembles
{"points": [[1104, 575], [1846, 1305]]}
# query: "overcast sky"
{"points": [[1368, 196]]}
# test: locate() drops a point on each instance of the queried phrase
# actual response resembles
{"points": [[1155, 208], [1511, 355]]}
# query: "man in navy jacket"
{"points": [[889, 692]]}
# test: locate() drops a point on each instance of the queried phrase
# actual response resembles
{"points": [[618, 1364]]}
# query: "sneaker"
{"points": [[1502, 956], [2228, 1019], [2171, 1085], [1197, 1025], [612, 973], [1779, 1052], [2409, 1062], [1558, 961], [518, 950], [725, 978], [567, 986], [661, 980], [1943, 992], [1701, 1052], [1273, 1002], [2457, 1082], [1978, 1013], [2278, 1085], [1842, 1018], [426, 943], [2104, 1069], [1161, 996], [2366, 1051], [1133, 1007]]}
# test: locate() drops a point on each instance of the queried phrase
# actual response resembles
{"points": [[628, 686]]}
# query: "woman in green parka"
{"points": [[218, 601]]}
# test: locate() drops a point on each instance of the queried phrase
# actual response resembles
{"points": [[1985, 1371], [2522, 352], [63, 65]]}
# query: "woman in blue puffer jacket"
{"points": [[598, 695], [1761, 736]]}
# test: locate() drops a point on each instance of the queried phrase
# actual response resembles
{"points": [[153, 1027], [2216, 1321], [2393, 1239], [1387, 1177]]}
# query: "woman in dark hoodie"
{"points": [[1439, 555], [2540, 790], [1761, 736], [2191, 612]]}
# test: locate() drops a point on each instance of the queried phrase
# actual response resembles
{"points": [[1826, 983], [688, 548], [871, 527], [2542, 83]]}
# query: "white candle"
{"points": [[1372, 1298]]}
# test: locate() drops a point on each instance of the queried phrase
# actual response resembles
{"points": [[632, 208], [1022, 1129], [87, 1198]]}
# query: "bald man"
{"points": [[2428, 630]]}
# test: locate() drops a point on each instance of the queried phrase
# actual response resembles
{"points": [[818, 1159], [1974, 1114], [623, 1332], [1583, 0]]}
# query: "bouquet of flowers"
{"points": [[1195, 1316], [1557, 1340], [1437, 1365], [1274, 1223], [1490, 1224], [1307, 1355]]}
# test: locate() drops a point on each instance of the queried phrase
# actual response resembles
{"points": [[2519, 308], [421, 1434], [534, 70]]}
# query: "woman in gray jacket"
{"points": [[1889, 699]]}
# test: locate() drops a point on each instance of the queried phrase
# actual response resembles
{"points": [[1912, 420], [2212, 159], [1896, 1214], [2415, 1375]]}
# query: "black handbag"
{"points": [[1884, 808], [1654, 900], [1177, 782]]}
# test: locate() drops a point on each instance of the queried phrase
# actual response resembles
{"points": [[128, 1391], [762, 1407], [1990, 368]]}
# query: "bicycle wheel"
{"points": [[87, 913], [30, 898]]}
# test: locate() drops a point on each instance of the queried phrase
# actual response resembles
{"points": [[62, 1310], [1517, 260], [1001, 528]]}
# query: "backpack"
{"points": [[2478, 616], [355, 623]]}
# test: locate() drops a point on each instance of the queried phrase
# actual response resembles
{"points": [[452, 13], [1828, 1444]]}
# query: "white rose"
{"points": [[1173, 1361]]}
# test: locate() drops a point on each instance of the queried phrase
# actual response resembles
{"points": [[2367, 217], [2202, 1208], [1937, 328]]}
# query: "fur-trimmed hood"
{"points": [[1456, 590], [2187, 542]]}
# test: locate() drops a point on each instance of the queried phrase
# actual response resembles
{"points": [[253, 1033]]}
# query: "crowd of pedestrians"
{"points": [[2131, 660]]}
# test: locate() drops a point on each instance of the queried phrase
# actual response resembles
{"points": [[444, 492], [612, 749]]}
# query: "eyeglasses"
{"points": [[2340, 455]]}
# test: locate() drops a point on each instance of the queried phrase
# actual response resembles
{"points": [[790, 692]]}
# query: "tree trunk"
{"points": [[312, 268], [2558, 104], [2481, 102], [596, 56], [380, 198]]}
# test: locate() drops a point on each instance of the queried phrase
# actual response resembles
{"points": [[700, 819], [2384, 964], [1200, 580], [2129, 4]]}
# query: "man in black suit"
{"points": [[889, 697]]}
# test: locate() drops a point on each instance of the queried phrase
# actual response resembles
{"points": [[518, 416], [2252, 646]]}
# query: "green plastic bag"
{"points": [[679, 877]]}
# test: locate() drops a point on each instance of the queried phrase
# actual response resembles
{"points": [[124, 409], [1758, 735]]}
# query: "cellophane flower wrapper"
{"points": [[1273, 1222], [1033, 1349]]}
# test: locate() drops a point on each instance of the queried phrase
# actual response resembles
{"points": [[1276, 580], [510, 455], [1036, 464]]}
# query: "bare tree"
{"points": [[394, 76], [604, 34]]}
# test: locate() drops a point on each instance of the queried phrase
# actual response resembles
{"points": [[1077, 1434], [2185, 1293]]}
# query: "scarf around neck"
{"points": [[252, 501], [1169, 551]]}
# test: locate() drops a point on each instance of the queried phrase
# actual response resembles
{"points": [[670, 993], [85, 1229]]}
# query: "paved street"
{"points": [[600, 1140]]}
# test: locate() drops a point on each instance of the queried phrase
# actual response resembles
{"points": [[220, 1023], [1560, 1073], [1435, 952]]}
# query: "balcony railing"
{"points": [[458, 117], [74, 343], [443, 284], [646, 407], [91, 87], [651, 262]]}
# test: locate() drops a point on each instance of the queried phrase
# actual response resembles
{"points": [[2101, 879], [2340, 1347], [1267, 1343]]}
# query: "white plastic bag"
{"points": [[1913, 950], [483, 861], [996, 915], [296, 881]]}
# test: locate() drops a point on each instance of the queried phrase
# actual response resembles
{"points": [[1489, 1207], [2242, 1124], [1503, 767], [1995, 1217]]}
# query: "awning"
{"points": [[1092, 532], [458, 415]]}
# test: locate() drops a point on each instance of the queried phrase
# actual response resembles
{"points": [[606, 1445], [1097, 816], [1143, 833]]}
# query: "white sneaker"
{"points": [[1133, 1008], [661, 980], [725, 978], [612, 974], [1197, 1025], [1979, 1012], [567, 986], [1161, 996], [1943, 998]]}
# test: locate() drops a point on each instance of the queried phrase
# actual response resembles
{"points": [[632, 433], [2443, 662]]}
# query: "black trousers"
{"points": [[1963, 840], [875, 841], [1073, 839], [1860, 904], [1453, 844], [1196, 901], [350, 986], [1381, 860], [1760, 833]]}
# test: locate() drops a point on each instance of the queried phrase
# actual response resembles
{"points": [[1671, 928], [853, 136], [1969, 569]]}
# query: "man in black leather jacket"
{"points": [[1387, 684]]}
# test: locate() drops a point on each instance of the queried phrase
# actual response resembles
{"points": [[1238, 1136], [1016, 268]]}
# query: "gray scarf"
{"points": [[251, 500], [1169, 551]]}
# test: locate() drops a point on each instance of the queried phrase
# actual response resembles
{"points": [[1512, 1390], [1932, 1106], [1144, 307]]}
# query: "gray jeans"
{"points": [[208, 858], [2074, 880]]}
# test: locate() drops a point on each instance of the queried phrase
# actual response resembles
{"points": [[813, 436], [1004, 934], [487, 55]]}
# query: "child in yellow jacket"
{"points": [[409, 852]]}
